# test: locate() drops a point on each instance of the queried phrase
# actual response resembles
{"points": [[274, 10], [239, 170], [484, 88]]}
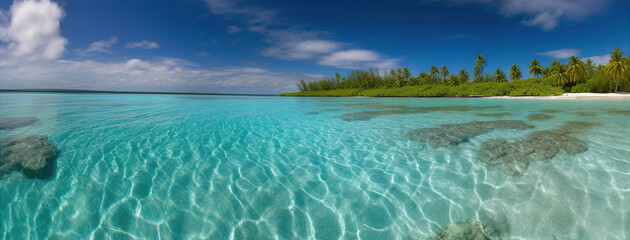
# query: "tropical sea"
{"points": [[247, 167]]}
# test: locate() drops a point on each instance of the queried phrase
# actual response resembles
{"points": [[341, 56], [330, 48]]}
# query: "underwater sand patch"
{"points": [[539, 116], [474, 230], [16, 122], [454, 134], [34, 155], [514, 156]]}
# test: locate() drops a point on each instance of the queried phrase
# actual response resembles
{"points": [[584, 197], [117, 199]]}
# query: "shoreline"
{"points": [[572, 96]]}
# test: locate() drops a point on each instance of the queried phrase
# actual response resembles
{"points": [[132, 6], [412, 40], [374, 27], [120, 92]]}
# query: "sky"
{"points": [[266, 46]]}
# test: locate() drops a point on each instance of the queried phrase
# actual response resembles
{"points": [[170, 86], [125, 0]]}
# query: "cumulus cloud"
{"points": [[144, 44], [31, 30], [561, 53], [546, 14], [99, 46], [32, 47], [293, 44], [603, 60], [162, 74], [297, 45], [354, 58]]}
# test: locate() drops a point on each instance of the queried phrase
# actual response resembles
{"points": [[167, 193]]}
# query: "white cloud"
{"points": [[99, 46], [162, 74], [356, 58], [546, 14], [31, 31], [233, 29], [254, 15], [603, 60], [561, 53], [144, 44], [297, 45], [290, 43], [31, 59]]}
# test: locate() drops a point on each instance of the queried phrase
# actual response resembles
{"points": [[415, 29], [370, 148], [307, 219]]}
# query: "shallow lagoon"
{"points": [[216, 167]]}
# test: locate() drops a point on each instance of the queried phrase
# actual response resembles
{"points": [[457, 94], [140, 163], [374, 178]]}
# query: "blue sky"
{"points": [[266, 46]]}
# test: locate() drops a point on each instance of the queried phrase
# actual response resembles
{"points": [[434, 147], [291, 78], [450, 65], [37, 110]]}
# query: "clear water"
{"points": [[215, 167]]}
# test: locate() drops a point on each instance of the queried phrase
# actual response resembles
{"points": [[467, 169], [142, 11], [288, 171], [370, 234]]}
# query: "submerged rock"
{"points": [[550, 110], [515, 156], [495, 115], [16, 122], [586, 114], [367, 115], [539, 116], [626, 112], [453, 134], [475, 230], [402, 109], [34, 155]]}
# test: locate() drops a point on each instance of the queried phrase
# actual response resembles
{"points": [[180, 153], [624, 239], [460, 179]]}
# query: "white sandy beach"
{"points": [[586, 96]]}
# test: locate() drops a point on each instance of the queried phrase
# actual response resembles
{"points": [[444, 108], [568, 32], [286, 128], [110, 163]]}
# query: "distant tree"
{"points": [[444, 73], [463, 76], [590, 67], [499, 76], [515, 73], [406, 74], [535, 69], [451, 80], [312, 86], [480, 63], [576, 70], [433, 73], [302, 85], [401, 77], [555, 66], [618, 67], [559, 76], [338, 78]]}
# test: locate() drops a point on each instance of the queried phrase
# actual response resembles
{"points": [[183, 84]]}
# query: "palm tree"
{"points": [[444, 73], [590, 67], [499, 76], [535, 69], [433, 72], [577, 70], [463, 76], [480, 63], [559, 76], [515, 73], [554, 66], [616, 67]]}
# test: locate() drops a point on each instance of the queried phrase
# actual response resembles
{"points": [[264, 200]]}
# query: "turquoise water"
{"points": [[223, 167]]}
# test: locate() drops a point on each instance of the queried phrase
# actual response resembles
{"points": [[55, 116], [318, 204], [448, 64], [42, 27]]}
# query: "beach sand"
{"points": [[586, 96]]}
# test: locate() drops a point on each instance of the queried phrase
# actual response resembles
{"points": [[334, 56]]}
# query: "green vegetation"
{"points": [[574, 76]]}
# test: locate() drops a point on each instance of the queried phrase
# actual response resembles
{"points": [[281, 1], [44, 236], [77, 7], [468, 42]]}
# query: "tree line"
{"points": [[576, 76]]}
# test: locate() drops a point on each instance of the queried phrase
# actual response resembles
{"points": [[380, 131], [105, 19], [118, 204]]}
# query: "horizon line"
{"points": [[64, 90]]}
